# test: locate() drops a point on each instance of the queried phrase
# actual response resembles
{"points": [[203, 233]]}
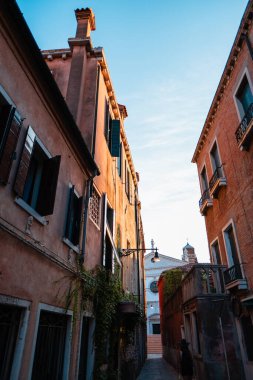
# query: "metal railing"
{"points": [[205, 196], [243, 126], [232, 274], [218, 173]]}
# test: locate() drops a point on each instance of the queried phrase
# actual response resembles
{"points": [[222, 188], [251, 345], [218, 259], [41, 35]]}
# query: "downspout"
{"points": [[96, 113], [137, 243], [90, 179]]}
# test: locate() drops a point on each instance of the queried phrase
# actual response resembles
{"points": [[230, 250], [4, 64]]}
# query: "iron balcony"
{"points": [[245, 130]]}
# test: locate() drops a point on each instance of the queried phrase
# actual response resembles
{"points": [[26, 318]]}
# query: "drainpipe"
{"points": [[96, 113], [137, 243], [90, 179]]}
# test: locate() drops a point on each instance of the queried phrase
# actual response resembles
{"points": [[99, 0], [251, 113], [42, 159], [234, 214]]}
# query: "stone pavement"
{"points": [[157, 369]]}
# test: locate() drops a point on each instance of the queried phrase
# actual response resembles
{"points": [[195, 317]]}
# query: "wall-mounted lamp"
{"points": [[128, 251]]}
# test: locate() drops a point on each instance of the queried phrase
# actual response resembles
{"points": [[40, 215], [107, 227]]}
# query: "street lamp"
{"points": [[128, 251]]}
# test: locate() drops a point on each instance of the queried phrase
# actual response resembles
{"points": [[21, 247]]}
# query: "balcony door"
{"points": [[215, 160], [244, 96], [231, 248]]}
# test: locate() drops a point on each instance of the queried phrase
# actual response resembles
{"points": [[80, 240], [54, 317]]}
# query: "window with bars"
{"points": [[10, 318], [50, 346], [94, 207]]}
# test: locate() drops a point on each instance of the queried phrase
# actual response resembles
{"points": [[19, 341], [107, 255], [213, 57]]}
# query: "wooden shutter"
{"points": [[24, 162], [115, 138], [70, 208], [48, 185], [78, 214], [9, 142]]}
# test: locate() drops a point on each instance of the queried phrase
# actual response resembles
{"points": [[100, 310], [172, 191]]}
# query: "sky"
{"points": [[165, 59]]}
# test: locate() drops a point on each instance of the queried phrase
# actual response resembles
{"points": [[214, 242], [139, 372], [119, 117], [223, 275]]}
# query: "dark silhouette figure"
{"points": [[186, 361]]}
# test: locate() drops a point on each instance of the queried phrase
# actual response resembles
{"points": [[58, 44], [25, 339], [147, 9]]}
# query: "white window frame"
{"points": [[238, 106], [200, 178], [211, 250], [231, 222], [67, 351], [19, 347], [210, 155], [66, 241]]}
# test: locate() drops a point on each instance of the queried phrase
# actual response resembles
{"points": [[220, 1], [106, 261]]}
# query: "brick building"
{"points": [[224, 157], [69, 195]]}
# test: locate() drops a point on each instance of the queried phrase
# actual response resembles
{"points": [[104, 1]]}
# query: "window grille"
{"points": [[94, 209]]}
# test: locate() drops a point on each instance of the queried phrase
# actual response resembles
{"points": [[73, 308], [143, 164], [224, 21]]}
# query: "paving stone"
{"points": [[157, 369]]}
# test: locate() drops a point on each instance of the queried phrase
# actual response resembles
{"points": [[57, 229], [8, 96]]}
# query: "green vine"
{"points": [[172, 280], [103, 290]]}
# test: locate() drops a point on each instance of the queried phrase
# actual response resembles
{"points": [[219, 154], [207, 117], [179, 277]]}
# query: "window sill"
{"points": [[75, 248], [31, 211]]}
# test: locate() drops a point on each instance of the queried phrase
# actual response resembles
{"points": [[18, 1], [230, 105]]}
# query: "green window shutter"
{"points": [[68, 228], [48, 185], [77, 220], [10, 128], [24, 163], [115, 138]]}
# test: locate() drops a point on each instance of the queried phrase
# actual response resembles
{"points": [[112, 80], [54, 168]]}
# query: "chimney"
{"points": [[85, 22]]}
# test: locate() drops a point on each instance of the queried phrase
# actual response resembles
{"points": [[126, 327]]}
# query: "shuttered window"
{"points": [[37, 175], [72, 230], [10, 126], [112, 132]]}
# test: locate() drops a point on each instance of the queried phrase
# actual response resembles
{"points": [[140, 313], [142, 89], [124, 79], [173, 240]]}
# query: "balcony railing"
{"points": [[203, 280], [216, 181], [205, 202], [244, 130], [232, 274]]}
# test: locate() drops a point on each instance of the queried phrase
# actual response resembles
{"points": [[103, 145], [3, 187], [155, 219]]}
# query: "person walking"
{"points": [[186, 362]]}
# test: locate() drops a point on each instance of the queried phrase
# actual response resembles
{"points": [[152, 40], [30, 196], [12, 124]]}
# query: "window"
{"points": [[204, 181], [107, 123], [154, 287], [109, 252], [215, 251], [10, 126], [244, 96], [247, 328], [112, 132], [73, 217], [215, 160], [127, 181], [37, 175], [119, 161], [94, 207], [195, 329], [231, 248], [156, 328], [10, 318], [50, 346]]}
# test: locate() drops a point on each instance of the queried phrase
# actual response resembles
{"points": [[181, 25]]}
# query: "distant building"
{"points": [[153, 271]]}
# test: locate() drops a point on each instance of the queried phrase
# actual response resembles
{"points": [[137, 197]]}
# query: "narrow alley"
{"points": [[157, 369]]}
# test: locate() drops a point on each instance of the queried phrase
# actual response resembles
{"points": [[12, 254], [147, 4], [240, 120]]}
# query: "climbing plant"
{"points": [[172, 280]]}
